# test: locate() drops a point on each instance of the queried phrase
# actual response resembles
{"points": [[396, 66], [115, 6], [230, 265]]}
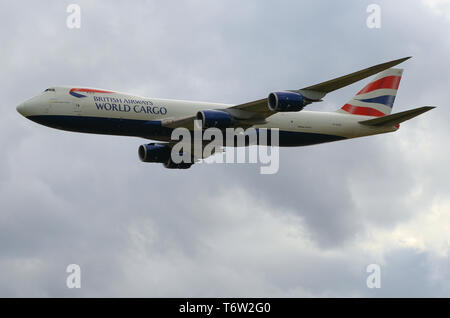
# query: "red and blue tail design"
{"points": [[377, 97]]}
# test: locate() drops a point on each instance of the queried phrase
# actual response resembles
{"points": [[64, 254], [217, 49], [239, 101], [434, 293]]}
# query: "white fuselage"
{"points": [[106, 112]]}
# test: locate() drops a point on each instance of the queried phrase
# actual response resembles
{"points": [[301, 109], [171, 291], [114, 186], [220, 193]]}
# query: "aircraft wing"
{"points": [[257, 111], [186, 122], [318, 91]]}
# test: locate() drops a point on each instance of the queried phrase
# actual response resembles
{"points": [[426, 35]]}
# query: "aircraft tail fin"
{"points": [[377, 97], [397, 118]]}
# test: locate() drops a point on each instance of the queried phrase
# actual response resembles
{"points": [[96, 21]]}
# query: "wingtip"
{"points": [[425, 109], [401, 60]]}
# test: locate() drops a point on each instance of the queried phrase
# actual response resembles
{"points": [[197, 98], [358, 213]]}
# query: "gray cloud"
{"points": [[222, 230]]}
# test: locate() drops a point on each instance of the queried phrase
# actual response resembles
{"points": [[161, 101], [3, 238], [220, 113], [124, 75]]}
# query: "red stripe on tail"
{"points": [[389, 82], [365, 111]]}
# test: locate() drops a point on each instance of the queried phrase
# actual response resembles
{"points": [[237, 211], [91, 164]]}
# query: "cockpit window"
{"points": [[49, 90]]}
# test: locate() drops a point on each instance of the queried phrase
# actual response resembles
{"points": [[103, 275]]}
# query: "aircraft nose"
{"points": [[26, 108], [21, 109]]}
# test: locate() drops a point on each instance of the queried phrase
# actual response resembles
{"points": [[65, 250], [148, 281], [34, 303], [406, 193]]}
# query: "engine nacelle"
{"points": [[286, 102], [154, 153], [215, 118], [160, 153]]}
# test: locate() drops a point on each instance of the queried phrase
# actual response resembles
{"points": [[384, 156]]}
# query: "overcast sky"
{"points": [[138, 229]]}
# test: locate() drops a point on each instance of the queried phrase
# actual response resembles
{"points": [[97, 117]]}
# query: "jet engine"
{"points": [[286, 102], [215, 118], [160, 153]]}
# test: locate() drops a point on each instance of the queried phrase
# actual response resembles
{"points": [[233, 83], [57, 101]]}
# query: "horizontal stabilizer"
{"points": [[397, 118]]}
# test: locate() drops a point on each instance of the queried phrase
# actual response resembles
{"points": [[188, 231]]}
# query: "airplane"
{"points": [[101, 111]]}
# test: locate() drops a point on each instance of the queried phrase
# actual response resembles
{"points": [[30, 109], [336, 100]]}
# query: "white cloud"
{"points": [[439, 7]]}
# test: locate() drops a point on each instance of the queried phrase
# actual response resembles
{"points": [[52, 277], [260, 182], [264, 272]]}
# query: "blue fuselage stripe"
{"points": [[154, 130]]}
